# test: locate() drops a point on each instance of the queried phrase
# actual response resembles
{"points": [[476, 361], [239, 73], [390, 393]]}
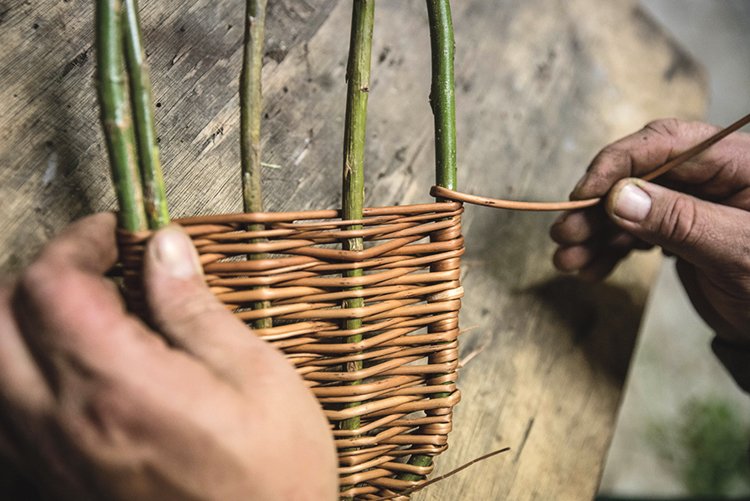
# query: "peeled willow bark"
{"points": [[443, 103], [358, 83], [251, 108], [154, 193], [115, 116]]}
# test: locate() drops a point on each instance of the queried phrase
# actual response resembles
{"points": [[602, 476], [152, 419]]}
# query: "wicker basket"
{"points": [[405, 390]]}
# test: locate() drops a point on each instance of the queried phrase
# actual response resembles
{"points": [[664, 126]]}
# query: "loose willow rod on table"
{"points": [[154, 194], [443, 103], [358, 83], [251, 108], [115, 116]]}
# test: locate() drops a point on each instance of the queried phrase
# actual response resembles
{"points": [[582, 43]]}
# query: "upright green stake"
{"points": [[443, 103], [442, 91], [358, 83], [115, 116], [155, 197], [251, 104], [251, 107]]}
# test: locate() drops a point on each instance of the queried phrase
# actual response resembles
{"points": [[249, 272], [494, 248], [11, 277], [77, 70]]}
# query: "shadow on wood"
{"points": [[603, 318]]}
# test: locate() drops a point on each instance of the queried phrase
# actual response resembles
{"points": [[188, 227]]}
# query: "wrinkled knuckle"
{"points": [[611, 154], [33, 278], [611, 163], [680, 223], [669, 127], [44, 280], [108, 412], [82, 429], [743, 246]]}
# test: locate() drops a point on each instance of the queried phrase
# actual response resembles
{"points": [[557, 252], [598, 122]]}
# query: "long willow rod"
{"points": [[443, 103], [115, 116], [251, 108], [358, 83], [154, 193], [451, 194]]}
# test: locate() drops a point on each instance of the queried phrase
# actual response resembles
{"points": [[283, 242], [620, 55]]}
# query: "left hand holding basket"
{"points": [[95, 404]]}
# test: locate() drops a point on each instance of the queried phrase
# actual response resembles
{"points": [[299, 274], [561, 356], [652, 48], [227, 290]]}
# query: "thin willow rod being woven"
{"points": [[445, 193], [411, 293]]}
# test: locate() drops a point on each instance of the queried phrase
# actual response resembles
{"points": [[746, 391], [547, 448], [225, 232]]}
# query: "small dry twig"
{"points": [[435, 480]]}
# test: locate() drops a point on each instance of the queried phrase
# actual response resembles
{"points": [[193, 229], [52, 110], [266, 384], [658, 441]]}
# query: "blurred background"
{"points": [[684, 427]]}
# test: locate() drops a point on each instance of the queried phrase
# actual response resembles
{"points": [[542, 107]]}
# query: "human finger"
{"points": [[72, 318], [705, 234], [721, 169], [603, 264], [573, 258], [88, 245], [577, 227], [187, 314], [577, 257], [22, 385]]}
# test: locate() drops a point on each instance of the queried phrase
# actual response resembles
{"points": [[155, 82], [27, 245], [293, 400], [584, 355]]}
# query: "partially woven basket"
{"points": [[405, 390], [363, 302], [365, 309]]}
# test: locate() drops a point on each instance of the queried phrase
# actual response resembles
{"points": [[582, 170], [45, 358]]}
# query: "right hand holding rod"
{"points": [[699, 212]]}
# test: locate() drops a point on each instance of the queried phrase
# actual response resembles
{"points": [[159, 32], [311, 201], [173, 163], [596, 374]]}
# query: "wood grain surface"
{"points": [[541, 86]]}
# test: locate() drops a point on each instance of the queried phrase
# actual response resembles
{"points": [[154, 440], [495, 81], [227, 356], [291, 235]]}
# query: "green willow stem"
{"points": [[115, 116], [358, 83], [443, 103], [251, 104], [358, 88], [442, 92], [251, 108], [154, 193]]}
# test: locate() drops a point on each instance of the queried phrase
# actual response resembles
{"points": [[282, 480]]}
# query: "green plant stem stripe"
{"points": [[358, 88], [443, 102], [442, 95], [251, 108], [251, 104], [115, 116], [358, 78], [154, 193]]}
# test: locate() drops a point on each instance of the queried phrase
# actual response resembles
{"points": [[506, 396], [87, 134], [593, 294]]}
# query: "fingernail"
{"points": [[174, 251], [632, 203]]}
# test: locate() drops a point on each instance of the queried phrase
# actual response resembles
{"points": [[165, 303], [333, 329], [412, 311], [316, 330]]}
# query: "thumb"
{"points": [[705, 234], [184, 310]]}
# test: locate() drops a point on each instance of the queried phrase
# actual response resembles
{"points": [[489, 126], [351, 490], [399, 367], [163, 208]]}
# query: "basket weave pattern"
{"points": [[405, 390]]}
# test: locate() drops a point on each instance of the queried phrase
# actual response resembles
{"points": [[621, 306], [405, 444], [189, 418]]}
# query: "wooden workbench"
{"points": [[541, 86]]}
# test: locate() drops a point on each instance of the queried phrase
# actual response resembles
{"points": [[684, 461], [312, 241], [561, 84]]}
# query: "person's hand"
{"points": [[94, 404], [698, 212]]}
